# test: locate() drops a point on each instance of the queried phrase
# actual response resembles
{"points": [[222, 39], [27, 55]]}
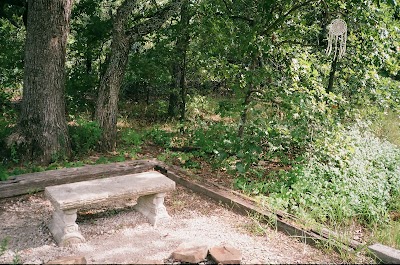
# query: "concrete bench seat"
{"points": [[149, 187]]}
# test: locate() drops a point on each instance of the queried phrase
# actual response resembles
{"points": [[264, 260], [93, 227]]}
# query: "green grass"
{"points": [[388, 234], [387, 126]]}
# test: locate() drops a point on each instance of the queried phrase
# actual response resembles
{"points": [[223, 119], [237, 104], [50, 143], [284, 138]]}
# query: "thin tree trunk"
{"points": [[42, 134], [111, 80], [177, 99], [182, 85], [332, 75], [243, 115], [246, 101], [173, 101]]}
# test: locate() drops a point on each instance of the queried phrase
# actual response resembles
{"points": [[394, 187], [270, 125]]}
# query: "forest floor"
{"points": [[121, 235], [118, 234]]}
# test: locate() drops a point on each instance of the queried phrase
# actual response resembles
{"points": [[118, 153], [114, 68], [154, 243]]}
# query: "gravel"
{"points": [[120, 235]]}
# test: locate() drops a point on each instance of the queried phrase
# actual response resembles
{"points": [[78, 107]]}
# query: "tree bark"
{"points": [[247, 101], [42, 133], [243, 115], [111, 80], [332, 75], [177, 98]]}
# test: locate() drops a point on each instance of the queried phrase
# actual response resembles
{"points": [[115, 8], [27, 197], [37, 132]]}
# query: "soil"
{"points": [[117, 234]]}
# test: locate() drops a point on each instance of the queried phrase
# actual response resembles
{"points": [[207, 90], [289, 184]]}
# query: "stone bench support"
{"points": [[149, 187]]}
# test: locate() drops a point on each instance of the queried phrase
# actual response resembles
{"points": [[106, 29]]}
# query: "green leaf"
{"points": [[240, 168]]}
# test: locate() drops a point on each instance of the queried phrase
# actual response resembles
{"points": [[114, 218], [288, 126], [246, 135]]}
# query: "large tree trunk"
{"points": [[42, 134], [110, 82]]}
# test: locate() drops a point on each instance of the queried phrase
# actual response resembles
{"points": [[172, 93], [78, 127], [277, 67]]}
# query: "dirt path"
{"points": [[118, 234]]}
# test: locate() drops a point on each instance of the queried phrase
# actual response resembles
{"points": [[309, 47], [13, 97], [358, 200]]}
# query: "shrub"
{"points": [[85, 136], [131, 137], [364, 186], [3, 173], [161, 137]]}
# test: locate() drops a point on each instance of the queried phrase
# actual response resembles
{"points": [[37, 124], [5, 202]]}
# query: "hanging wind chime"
{"points": [[337, 36]]}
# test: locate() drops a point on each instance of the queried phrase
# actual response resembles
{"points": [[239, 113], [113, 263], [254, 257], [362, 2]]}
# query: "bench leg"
{"points": [[152, 206], [64, 229]]}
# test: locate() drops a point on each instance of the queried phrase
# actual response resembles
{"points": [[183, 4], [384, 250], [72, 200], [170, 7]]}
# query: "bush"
{"points": [[161, 137], [3, 173], [364, 186], [131, 137], [85, 136]]}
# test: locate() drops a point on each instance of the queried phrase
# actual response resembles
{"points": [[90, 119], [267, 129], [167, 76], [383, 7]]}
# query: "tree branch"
{"points": [[154, 22], [3, 14], [297, 43], [237, 17], [282, 18]]}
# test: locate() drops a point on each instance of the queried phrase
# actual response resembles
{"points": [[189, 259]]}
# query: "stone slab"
{"points": [[190, 252], [386, 254], [226, 254], [78, 194], [69, 260]]}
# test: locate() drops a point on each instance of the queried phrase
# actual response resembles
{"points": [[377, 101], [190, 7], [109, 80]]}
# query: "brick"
{"points": [[226, 254]]}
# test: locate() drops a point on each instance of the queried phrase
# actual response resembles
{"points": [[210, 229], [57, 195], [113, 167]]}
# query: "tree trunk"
{"points": [[177, 98], [247, 101], [110, 82], [42, 134], [332, 75], [243, 115], [173, 100]]}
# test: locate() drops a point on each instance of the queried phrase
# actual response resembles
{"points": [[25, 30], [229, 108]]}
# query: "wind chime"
{"points": [[337, 36]]}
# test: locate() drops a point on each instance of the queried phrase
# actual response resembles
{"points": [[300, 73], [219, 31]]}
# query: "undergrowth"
{"points": [[299, 157]]}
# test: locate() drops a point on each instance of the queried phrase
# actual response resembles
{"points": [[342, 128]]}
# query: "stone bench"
{"points": [[148, 187]]}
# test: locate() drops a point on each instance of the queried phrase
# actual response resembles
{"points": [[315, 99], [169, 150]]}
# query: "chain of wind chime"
{"points": [[337, 36]]}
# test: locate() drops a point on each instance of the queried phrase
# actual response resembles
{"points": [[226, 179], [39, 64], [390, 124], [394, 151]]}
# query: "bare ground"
{"points": [[118, 234]]}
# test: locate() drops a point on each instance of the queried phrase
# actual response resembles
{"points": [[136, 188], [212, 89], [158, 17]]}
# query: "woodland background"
{"points": [[244, 87]]}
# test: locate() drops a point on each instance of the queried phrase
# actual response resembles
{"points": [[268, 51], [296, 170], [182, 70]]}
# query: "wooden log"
{"points": [[35, 182]]}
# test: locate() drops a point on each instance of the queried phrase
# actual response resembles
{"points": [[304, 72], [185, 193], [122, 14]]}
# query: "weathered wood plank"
{"points": [[34, 182]]}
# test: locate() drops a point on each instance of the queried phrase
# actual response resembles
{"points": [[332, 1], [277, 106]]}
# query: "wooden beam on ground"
{"points": [[34, 182]]}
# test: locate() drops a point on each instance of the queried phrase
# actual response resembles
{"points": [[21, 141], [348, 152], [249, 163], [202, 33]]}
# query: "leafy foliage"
{"points": [[360, 179], [257, 102], [85, 136]]}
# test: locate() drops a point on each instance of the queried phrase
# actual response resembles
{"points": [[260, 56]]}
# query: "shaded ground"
{"points": [[121, 235]]}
